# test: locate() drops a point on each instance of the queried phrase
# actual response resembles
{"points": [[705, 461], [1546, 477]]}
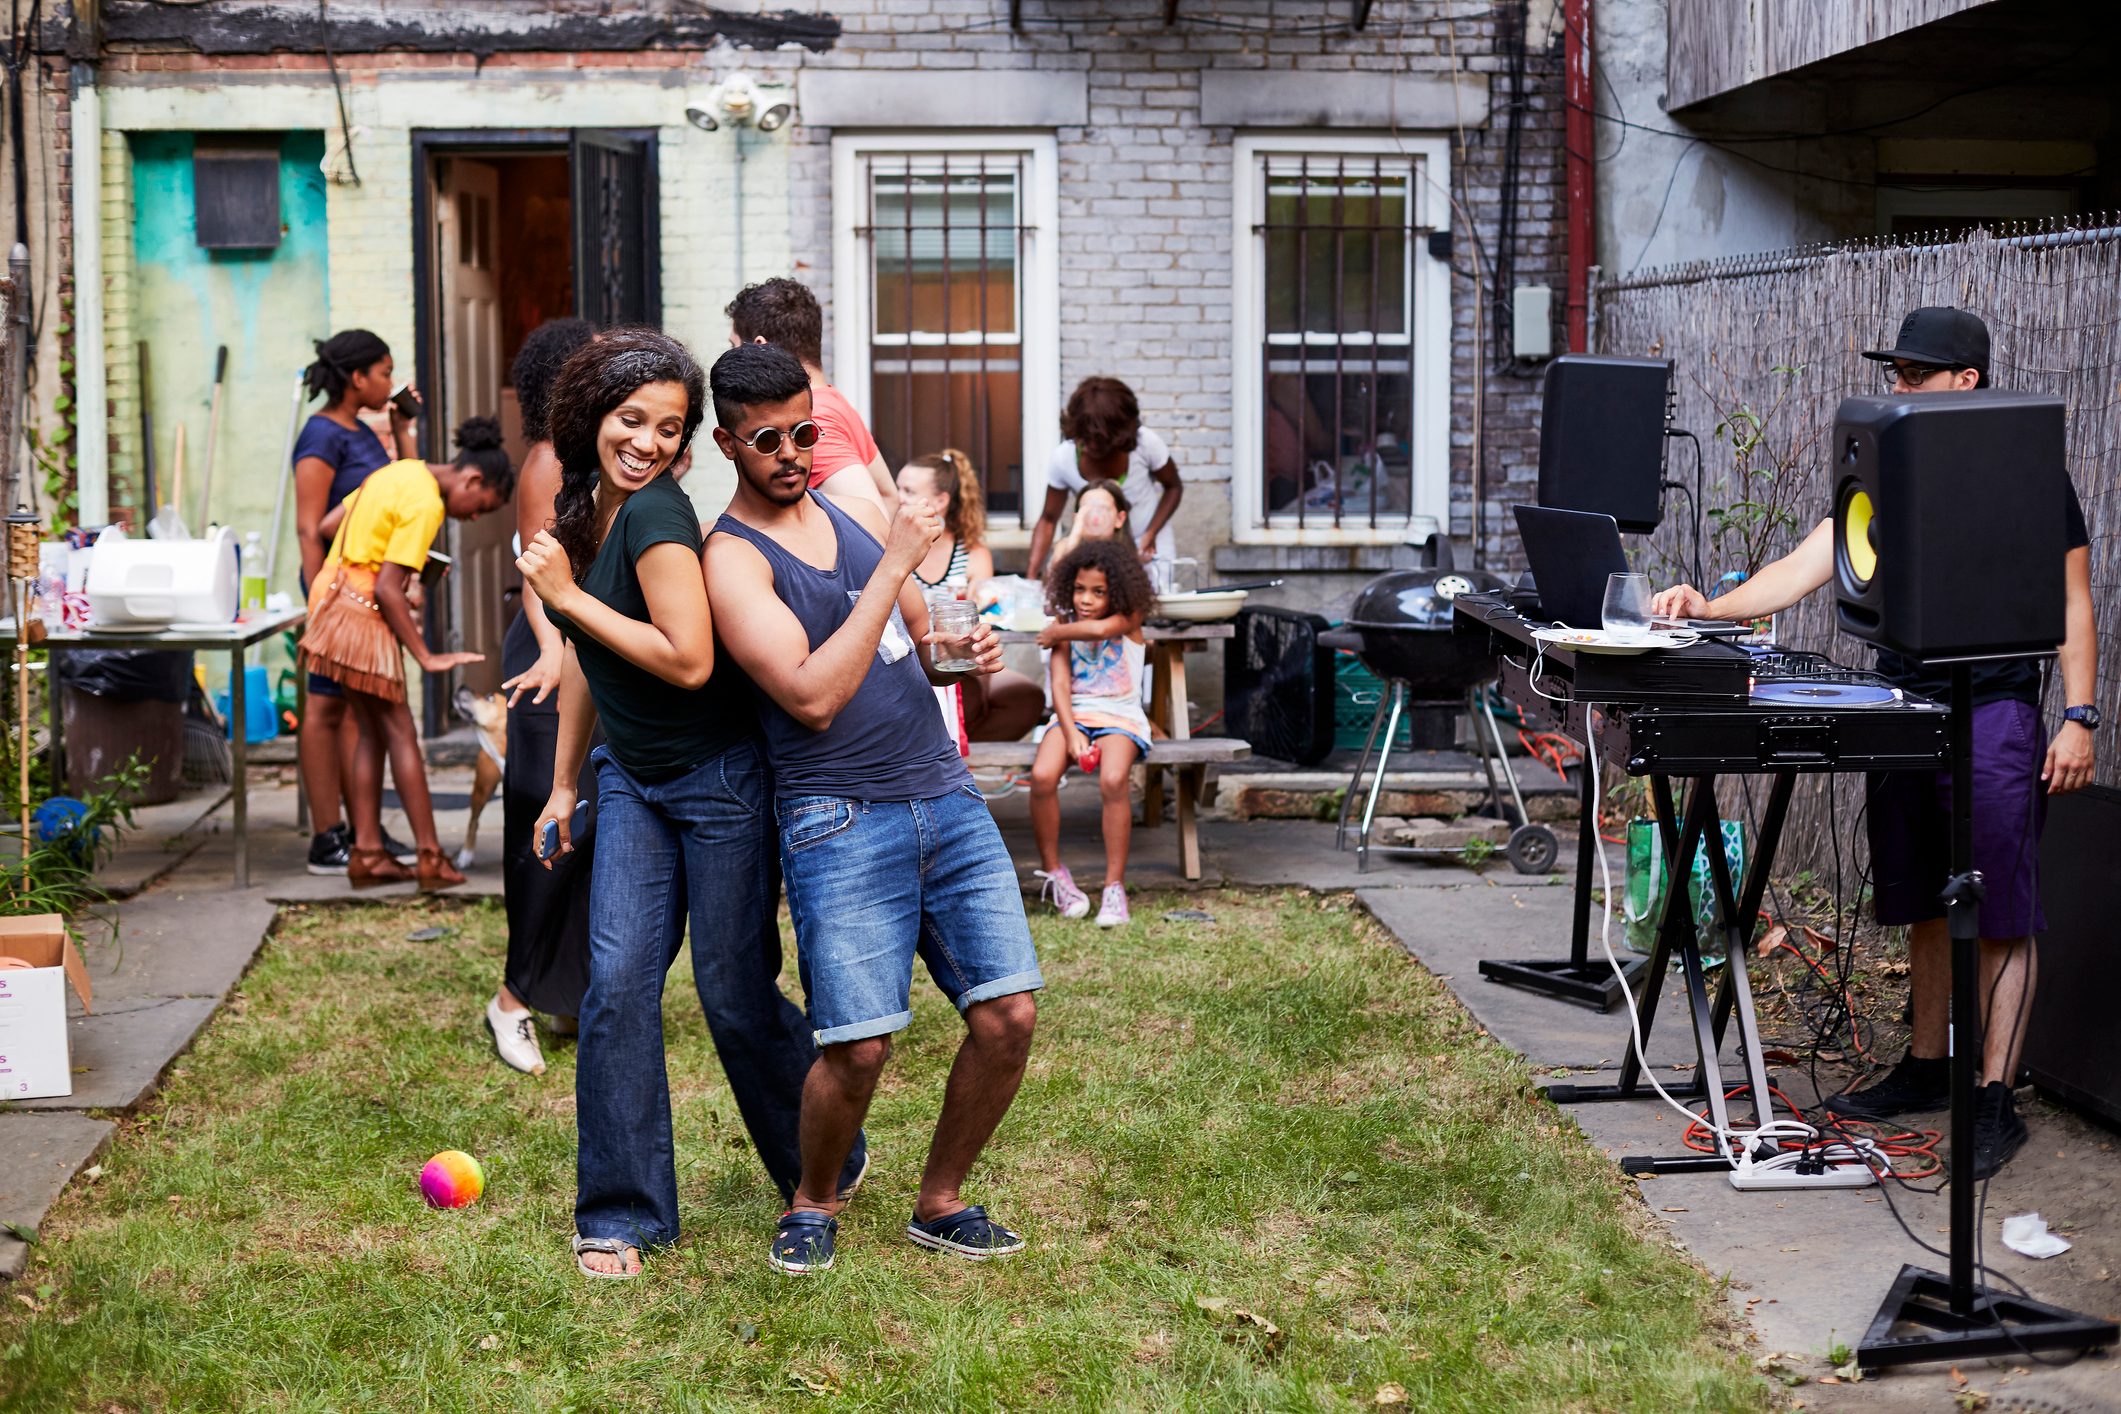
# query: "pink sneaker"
{"points": [[1112, 912], [1060, 887]]}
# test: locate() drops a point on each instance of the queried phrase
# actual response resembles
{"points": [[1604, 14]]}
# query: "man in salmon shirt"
{"points": [[845, 461]]}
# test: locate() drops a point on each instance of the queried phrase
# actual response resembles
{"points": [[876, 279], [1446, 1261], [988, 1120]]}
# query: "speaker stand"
{"points": [[1574, 978], [1956, 1317]]}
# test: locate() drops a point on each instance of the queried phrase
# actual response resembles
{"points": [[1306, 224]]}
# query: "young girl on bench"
{"points": [[1099, 594]]}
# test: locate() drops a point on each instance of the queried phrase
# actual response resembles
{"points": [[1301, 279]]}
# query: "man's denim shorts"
{"points": [[873, 882]]}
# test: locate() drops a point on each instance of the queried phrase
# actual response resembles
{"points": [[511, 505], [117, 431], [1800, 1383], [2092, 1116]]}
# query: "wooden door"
{"points": [[467, 208]]}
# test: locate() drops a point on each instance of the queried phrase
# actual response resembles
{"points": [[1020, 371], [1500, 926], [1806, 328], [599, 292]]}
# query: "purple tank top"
{"points": [[888, 742]]}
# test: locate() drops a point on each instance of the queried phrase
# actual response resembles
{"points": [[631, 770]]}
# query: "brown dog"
{"points": [[489, 714]]}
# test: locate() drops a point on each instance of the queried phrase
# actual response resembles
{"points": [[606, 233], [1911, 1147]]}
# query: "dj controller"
{"points": [[1711, 707]]}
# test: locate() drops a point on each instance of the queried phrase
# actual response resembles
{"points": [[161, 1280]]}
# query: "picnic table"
{"points": [[233, 639], [1177, 750]]}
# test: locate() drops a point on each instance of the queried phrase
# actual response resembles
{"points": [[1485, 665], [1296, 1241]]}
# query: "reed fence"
{"points": [[1765, 347]]}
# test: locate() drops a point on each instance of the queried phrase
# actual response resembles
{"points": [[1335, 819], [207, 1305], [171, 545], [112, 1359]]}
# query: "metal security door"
{"points": [[616, 254]]}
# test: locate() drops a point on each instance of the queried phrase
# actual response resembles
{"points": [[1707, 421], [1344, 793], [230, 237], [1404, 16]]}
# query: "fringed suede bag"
{"points": [[347, 640]]}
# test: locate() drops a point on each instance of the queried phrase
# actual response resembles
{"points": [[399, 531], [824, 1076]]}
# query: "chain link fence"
{"points": [[1764, 349]]}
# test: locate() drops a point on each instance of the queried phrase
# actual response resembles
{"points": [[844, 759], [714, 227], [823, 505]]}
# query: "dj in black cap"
{"points": [[1946, 350]]}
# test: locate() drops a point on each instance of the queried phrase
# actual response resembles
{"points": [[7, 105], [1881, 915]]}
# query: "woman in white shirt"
{"points": [[1104, 440]]}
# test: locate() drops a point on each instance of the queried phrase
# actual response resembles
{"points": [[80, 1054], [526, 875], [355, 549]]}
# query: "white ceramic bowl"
{"points": [[1203, 606]]}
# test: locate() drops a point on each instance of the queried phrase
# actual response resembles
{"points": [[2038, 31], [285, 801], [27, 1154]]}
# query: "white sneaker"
{"points": [[1112, 909], [515, 1037], [1060, 887]]}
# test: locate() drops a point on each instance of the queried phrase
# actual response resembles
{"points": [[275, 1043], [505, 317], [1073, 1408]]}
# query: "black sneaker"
{"points": [[328, 851], [397, 849], [1914, 1086], [1998, 1131]]}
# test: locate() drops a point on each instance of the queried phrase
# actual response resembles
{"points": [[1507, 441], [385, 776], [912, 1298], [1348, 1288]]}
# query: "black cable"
{"points": [[353, 172], [1700, 481]]}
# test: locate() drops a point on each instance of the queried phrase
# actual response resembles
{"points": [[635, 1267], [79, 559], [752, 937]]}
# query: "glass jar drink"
{"points": [[953, 621]]}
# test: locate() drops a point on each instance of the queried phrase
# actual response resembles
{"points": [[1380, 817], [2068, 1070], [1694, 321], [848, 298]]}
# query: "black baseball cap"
{"points": [[1939, 335]]}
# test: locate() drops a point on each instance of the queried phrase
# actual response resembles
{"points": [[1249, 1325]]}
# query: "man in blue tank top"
{"points": [[888, 850]]}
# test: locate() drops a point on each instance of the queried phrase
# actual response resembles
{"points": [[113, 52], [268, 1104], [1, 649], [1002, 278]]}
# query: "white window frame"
{"points": [[1428, 345], [1038, 278]]}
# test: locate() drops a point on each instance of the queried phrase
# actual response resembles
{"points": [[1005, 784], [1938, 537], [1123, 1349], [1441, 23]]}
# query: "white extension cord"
{"points": [[1838, 1163]]}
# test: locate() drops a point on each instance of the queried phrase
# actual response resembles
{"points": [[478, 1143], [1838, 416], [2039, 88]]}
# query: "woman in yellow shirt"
{"points": [[362, 622]]}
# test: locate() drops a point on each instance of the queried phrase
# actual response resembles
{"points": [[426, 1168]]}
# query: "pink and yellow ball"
{"points": [[452, 1179]]}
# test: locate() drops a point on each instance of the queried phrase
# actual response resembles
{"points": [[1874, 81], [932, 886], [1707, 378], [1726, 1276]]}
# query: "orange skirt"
{"points": [[347, 640]]}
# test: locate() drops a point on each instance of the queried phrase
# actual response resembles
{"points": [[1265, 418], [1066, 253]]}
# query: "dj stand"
{"points": [[1692, 713]]}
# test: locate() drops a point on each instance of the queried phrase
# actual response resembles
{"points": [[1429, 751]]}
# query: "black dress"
{"points": [[548, 910]]}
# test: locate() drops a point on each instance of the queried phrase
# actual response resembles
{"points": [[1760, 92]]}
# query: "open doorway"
{"points": [[513, 229]]}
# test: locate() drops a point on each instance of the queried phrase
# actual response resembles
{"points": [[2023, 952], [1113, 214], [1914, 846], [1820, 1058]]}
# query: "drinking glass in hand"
{"points": [[1627, 607], [953, 621]]}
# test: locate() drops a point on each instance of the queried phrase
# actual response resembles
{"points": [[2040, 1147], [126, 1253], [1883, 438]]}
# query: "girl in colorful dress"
{"points": [[1099, 594]]}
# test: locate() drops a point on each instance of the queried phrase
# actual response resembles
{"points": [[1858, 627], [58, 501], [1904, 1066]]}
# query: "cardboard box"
{"points": [[35, 1059]]}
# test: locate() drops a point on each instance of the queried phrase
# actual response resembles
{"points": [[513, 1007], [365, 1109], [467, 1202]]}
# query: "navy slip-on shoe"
{"points": [[967, 1233], [802, 1242]]}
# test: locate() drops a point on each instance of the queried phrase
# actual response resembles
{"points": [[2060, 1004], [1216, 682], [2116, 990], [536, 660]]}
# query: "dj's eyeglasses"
{"points": [[1915, 374], [767, 440]]}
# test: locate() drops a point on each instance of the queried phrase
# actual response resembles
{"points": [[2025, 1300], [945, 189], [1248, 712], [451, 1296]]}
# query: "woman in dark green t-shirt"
{"points": [[683, 799]]}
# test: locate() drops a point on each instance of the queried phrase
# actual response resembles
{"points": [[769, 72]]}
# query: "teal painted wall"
{"points": [[265, 306]]}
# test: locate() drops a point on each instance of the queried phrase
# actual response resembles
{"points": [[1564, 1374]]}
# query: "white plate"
{"points": [[1204, 606], [1597, 640]]}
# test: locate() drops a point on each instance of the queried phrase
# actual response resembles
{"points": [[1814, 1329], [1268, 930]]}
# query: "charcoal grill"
{"points": [[1400, 626]]}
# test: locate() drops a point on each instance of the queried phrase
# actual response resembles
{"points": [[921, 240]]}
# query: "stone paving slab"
{"points": [[39, 1156]]}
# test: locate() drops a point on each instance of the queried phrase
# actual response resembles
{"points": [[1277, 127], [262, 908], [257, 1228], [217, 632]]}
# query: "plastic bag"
{"points": [[126, 674]]}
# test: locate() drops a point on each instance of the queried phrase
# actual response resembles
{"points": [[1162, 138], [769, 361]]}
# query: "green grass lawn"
{"points": [[1263, 1163]]}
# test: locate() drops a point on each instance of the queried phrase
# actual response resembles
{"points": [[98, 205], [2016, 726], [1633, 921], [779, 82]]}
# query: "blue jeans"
{"points": [[872, 883], [704, 839]]}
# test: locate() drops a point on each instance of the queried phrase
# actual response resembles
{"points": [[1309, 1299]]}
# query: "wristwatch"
{"points": [[2086, 717]]}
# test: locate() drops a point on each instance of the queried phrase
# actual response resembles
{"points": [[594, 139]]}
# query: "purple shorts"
{"points": [[1910, 816]]}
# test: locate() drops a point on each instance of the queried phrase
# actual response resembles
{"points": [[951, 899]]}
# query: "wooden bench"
{"points": [[1188, 760]]}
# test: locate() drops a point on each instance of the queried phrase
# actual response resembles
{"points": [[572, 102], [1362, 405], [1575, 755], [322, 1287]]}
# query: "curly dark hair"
{"points": [[780, 311], [546, 347], [479, 447], [1126, 580], [594, 380], [339, 357], [1102, 417]]}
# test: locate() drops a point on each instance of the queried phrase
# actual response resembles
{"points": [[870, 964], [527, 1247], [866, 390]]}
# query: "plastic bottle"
{"points": [[252, 570]]}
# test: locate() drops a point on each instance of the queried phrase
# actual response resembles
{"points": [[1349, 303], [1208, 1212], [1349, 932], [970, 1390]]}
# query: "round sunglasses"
{"points": [[767, 440]]}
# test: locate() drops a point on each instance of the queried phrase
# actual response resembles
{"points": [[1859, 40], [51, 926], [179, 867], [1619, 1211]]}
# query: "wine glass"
{"points": [[1626, 612]]}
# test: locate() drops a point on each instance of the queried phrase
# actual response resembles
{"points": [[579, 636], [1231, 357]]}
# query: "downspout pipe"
{"points": [[1579, 149], [91, 388]]}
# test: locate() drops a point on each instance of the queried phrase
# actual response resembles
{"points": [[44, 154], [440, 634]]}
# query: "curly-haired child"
{"points": [[1099, 593]]}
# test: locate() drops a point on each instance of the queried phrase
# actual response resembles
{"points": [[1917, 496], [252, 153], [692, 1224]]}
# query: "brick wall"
{"points": [[1145, 189], [1145, 196], [121, 332]]}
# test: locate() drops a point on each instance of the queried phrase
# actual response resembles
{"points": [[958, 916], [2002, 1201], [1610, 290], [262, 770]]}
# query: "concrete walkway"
{"points": [[1805, 1269]]}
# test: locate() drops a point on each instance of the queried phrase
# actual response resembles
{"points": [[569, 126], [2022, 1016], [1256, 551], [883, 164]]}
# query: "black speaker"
{"points": [[1948, 516], [2072, 1046], [1601, 437]]}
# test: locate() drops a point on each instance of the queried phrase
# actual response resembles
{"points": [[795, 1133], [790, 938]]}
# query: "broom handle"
{"points": [[287, 474], [22, 714]]}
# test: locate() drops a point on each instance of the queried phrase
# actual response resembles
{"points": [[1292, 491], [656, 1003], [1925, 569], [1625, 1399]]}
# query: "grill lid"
{"points": [[1419, 598]]}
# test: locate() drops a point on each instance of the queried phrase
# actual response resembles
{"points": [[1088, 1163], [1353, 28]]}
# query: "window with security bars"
{"points": [[943, 238], [1336, 318]]}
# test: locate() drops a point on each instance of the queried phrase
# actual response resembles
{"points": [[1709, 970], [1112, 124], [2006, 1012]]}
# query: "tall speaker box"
{"points": [[1948, 518], [1601, 437], [2072, 1046]]}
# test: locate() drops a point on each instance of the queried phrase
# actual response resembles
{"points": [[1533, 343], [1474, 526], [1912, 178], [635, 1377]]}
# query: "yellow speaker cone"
{"points": [[1856, 536]]}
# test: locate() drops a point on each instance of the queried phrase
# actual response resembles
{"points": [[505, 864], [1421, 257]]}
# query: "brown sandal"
{"points": [[369, 868], [436, 872]]}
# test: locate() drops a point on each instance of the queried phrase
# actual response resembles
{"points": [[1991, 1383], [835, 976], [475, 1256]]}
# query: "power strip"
{"points": [[1848, 1173]]}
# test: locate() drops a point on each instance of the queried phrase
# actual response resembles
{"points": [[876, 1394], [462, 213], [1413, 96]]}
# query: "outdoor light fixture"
{"points": [[740, 102]]}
